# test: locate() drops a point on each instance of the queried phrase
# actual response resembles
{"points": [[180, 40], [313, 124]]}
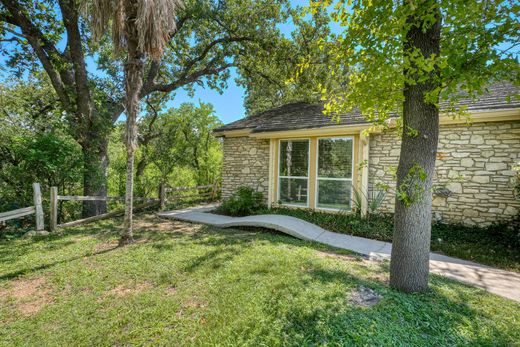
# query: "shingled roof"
{"points": [[302, 115]]}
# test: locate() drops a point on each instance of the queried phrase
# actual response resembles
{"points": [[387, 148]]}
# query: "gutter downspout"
{"points": [[365, 150]]}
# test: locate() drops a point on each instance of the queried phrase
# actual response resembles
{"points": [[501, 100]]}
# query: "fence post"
{"points": [[162, 196], [54, 208], [37, 196], [214, 191]]}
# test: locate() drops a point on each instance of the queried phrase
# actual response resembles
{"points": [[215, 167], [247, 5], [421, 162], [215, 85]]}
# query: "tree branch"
{"points": [[212, 44], [43, 48], [166, 88], [75, 49]]}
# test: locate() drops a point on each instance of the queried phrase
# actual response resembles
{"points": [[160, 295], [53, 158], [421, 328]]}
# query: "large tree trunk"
{"points": [[133, 82], [409, 266], [95, 154]]}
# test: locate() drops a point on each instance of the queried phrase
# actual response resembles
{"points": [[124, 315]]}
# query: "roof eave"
{"points": [[476, 116]]}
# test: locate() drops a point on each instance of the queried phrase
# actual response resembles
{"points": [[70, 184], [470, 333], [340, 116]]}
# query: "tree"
{"points": [[34, 144], [273, 82], [87, 78], [409, 58], [142, 29], [181, 137]]}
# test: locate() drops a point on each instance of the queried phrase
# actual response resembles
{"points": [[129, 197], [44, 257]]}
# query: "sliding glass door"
{"points": [[293, 183], [334, 173]]}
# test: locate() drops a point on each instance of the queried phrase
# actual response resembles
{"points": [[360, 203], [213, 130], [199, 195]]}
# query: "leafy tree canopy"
{"points": [[479, 45]]}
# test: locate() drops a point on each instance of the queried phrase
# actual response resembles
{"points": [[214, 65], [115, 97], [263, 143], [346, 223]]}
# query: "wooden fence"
{"points": [[37, 210], [176, 193], [166, 194]]}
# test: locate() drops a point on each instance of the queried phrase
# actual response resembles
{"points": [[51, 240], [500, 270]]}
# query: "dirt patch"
{"points": [[380, 277], [191, 307], [28, 295], [195, 303], [171, 290], [153, 223], [106, 246], [123, 290]]}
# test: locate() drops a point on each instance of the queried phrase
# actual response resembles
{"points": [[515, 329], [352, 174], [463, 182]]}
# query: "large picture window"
{"points": [[334, 176], [293, 172]]}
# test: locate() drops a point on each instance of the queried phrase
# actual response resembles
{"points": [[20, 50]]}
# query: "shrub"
{"points": [[245, 201], [374, 199]]}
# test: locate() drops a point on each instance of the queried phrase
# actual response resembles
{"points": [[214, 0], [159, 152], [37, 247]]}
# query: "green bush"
{"points": [[245, 201]]}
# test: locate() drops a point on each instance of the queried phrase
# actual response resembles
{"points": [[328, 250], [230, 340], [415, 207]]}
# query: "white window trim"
{"points": [[296, 177], [316, 193]]}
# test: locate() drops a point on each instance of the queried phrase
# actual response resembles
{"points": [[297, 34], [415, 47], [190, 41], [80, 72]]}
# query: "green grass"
{"points": [[496, 245], [189, 285]]}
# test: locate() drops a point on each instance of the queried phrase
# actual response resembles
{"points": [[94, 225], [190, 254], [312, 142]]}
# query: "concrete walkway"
{"points": [[500, 282]]}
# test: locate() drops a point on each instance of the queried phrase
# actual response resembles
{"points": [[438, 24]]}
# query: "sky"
{"points": [[229, 106]]}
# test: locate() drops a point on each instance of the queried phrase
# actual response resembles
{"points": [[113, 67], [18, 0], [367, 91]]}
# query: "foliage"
{"points": [[245, 201], [516, 180], [479, 45], [495, 245], [176, 147], [411, 190], [211, 37], [34, 144], [374, 200], [225, 287], [405, 58], [269, 76]]}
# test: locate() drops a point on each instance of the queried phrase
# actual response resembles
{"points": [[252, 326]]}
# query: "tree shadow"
{"points": [[14, 274], [432, 318]]}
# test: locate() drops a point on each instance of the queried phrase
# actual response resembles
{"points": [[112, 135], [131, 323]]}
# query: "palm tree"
{"points": [[141, 28]]}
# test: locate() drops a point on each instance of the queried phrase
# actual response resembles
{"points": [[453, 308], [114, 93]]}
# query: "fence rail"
{"points": [[174, 192], [166, 194], [37, 210], [21, 212], [100, 198]]}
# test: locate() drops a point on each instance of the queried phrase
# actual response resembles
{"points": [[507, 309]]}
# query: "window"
{"points": [[293, 172], [334, 176]]}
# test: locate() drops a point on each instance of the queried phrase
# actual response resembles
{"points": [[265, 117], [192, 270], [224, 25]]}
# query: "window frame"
{"points": [[351, 179], [308, 177]]}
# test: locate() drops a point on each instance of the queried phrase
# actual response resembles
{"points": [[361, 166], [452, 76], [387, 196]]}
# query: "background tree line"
{"points": [[176, 147], [63, 92]]}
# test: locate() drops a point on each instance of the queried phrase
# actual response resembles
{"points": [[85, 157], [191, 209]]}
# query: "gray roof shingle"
{"points": [[301, 115]]}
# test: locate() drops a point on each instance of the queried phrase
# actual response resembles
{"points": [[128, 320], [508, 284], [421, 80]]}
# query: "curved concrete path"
{"points": [[500, 282]]}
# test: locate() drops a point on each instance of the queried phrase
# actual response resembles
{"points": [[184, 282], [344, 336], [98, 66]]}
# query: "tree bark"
{"points": [[409, 267], [95, 164], [134, 67]]}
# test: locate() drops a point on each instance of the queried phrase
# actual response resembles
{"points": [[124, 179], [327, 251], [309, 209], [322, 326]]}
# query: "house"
{"points": [[298, 157]]}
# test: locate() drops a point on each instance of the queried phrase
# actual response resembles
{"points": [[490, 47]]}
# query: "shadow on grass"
{"points": [[26, 271], [13, 249], [429, 319], [433, 318]]}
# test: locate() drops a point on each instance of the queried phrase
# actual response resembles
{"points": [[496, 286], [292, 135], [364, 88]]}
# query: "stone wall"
{"points": [[246, 163], [474, 163]]}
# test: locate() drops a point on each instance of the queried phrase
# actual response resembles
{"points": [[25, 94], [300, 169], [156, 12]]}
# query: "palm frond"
{"points": [[98, 14], [156, 22]]}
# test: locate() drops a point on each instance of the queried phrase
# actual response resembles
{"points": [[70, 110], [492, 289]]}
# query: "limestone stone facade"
{"points": [[475, 163], [246, 163], [474, 169]]}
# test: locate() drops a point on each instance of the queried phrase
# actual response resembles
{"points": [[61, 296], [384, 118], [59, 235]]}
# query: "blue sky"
{"points": [[229, 106]]}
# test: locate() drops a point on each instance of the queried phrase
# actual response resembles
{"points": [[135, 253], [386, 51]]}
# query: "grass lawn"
{"points": [[495, 246], [191, 285]]}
